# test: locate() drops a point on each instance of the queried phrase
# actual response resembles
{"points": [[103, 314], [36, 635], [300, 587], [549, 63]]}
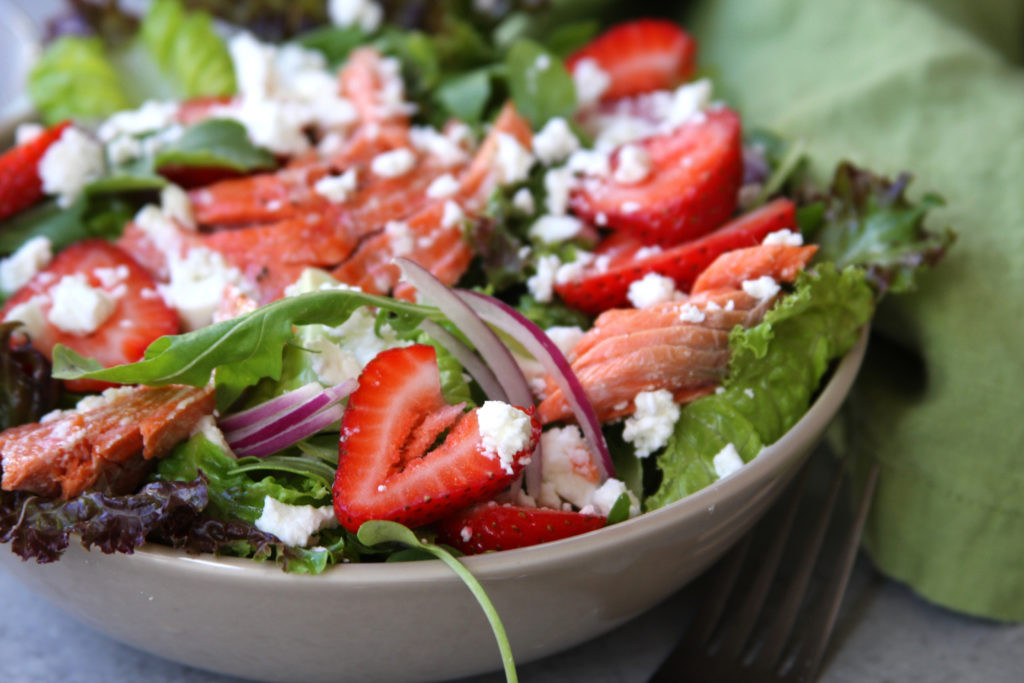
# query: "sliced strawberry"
{"points": [[599, 290], [490, 526], [640, 56], [20, 184], [200, 108], [696, 172], [385, 470], [139, 315]]}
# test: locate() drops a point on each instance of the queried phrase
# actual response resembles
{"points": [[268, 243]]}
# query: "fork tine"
{"points": [[820, 624], [746, 618], [777, 633]]}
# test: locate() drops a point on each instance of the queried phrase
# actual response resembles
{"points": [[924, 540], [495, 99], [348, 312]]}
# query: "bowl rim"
{"points": [[555, 553]]}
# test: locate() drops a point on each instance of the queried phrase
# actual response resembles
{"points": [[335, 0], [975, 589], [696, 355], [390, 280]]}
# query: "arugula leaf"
{"points": [[868, 221], [242, 350], [541, 86], [186, 46], [619, 511], [376, 532], [75, 78], [333, 42], [215, 143], [466, 95], [775, 369]]}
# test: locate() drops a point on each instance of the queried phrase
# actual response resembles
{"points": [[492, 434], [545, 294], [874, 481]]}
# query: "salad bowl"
{"points": [[416, 620]]}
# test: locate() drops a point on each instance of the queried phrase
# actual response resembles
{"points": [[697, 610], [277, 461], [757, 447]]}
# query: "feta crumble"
{"points": [[27, 132], [605, 496], [401, 237], [555, 141], [652, 289], [589, 162], [30, 315], [21, 266], [786, 237], [453, 214], [650, 427], [331, 363], [762, 288], [689, 313], [565, 337], [71, 163], [522, 200], [553, 229], [445, 149], [634, 165], [727, 461], [294, 524], [177, 206], [591, 82], [569, 472], [79, 308], [504, 432], [558, 184], [197, 281], [207, 426], [541, 285], [443, 186], [363, 14], [514, 161], [393, 164], [337, 188]]}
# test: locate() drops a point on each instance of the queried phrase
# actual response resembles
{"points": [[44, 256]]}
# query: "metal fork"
{"points": [[722, 646]]}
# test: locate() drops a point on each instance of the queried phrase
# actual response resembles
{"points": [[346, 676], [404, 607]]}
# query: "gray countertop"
{"points": [[885, 633]]}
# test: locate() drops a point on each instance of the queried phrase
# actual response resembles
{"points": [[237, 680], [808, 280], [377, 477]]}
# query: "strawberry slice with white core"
{"points": [[386, 466]]}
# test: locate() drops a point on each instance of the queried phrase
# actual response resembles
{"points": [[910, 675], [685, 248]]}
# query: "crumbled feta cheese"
{"points": [[277, 125], [630, 207], [514, 161], [569, 472], [558, 184], [727, 461], [589, 162], [605, 496], [646, 252], [331, 144], [401, 237], [749, 392], [634, 165], [206, 426], [554, 229], [591, 82], [69, 164], [331, 363], [364, 14], [555, 141], [393, 164], [21, 266], [443, 186], [786, 237], [688, 313], [294, 524], [79, 308], [358, 335], [570, 272], [453, 214], [30, 315], [522, 200], [601, 218], [565, 337], [177, 206], [712, 306], [504, 432], [444, 149], [541, 285], [466, 533], [650, 427], [652, 289], [123, 149], [337, 188], [730, 305], [762, 288], [197, 282], [151, 116], [110, 278], [27, 132], [688, 100]]}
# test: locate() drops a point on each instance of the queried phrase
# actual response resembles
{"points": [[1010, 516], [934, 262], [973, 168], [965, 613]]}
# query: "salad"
{"points": [[499, 276]]}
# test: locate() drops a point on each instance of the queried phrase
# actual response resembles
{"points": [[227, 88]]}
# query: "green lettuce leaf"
{"points": [[868, 221], [215, 143], [540, 84], [774, 371], [74, 77], [186, 46]]}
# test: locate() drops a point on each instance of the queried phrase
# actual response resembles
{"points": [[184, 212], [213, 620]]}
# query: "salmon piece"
{"points": [[779, 261], [260, 198], [368, 141], [152, 253], [313, 239], [481, 177], [103, 438], [374, 86], [661, 347]]}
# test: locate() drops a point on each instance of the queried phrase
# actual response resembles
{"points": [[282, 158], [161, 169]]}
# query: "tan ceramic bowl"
{"points": [[417, 621]]}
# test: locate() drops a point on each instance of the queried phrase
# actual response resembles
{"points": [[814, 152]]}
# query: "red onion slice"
{"points": [[260, 431], [290, 434], [270, 408], [540, 346], [469, 360], [488, 345]]}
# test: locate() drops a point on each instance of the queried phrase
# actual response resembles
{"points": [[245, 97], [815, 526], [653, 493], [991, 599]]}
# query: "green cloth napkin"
{"points": [[936, 88]]}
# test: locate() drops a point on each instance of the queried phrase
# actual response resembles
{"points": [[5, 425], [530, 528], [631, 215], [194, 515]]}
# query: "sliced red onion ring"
{"points": [[290, 434], [469, 360], [487, 343], [268, 409], [540, 346], [264, 429]]}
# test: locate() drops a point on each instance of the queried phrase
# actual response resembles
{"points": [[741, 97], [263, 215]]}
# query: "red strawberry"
{"points": [[385, 470], [600, 290], [640, 56], [695, 177], [139, 315], [490, 526], [20, 184]]}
